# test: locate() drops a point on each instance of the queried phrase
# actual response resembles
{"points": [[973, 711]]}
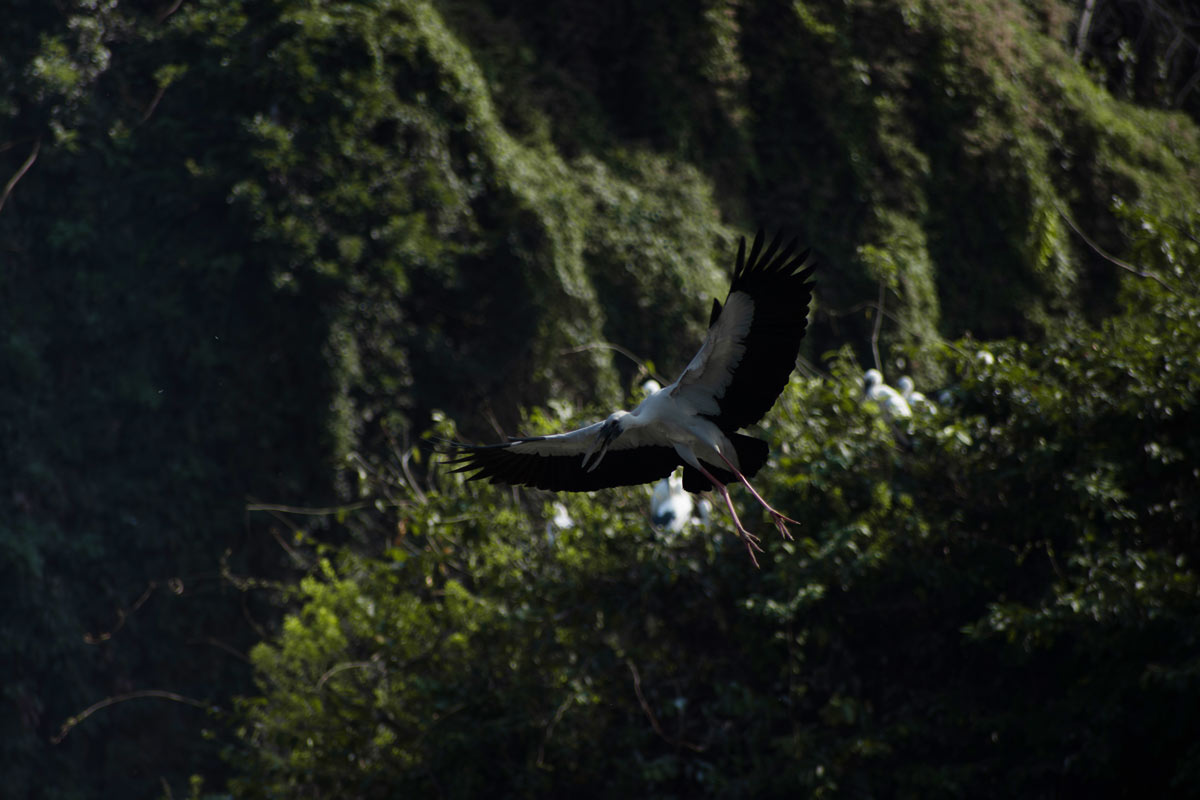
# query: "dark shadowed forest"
{"points": [[258, 256]]}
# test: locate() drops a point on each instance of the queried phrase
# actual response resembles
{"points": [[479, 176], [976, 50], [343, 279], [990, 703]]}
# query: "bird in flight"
{"points": [[742, 367]]}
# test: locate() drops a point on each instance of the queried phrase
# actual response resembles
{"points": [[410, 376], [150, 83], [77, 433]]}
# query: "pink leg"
{"points": [[749, 538], [779, 519]]}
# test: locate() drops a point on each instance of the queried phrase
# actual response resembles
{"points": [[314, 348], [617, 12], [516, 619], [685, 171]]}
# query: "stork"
{"points": [[890, 402], [670, 506], [742, 367], [915, 399]]}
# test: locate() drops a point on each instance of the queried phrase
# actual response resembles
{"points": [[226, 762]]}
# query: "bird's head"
{"points": [[871, 379], [609, 430]]}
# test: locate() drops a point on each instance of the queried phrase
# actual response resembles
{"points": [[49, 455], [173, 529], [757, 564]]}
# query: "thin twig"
{"points": [[1085, 27], [259, 630], [336, 668], [121, 698], [410, 478], [403, 452], [122, 615], [217, 643], [296, 556], [162, 15], [854, 309], [313, 512], [617, 349], [637, 688], [878, 326], [494, 422], [1187, 89], [1125, 265], [1053, 561], [158, 96], [811, 369], [558, 715], [12, 182]]}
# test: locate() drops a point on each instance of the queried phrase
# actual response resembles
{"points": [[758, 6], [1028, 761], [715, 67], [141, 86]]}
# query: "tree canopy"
{"points": [[255, 254]]}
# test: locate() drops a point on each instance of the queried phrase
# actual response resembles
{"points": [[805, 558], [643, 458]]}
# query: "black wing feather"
{"points": [[565, 473], [778, 284], [715, 314]]}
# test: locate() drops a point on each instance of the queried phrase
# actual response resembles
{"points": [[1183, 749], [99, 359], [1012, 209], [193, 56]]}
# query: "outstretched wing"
{"points": [[556, 462], [752, 343]]}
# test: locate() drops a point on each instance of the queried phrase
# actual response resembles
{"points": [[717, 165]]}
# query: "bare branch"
{"points": [[12, 182], [878, 326], [868, 304], [617, 349], [121, 698], [161, 16], [558, 715], [1125, 265], [1182, 94], [1085, 27], [122, 615], [637, 688], [217, 643], [314, 512], [335, 669], [158, 96]]}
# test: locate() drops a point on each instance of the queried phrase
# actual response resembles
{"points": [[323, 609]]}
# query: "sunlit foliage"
{"points": [[251, 251], [996, 598]]}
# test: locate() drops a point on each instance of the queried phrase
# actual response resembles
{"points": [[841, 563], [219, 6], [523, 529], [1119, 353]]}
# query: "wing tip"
{"points": [[774, 259]]}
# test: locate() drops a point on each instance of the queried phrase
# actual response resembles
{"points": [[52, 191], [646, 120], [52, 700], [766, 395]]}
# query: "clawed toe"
{"points": [[781, 523], [752, 543], [751, 546]]}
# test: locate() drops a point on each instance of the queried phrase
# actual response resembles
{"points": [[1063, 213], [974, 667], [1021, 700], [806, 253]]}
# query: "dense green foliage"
{"points": [[250, 250], [995, 599]]}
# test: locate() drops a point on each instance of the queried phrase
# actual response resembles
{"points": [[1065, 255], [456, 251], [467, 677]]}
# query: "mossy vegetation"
{"points": [[994, 598], [252, 251]]}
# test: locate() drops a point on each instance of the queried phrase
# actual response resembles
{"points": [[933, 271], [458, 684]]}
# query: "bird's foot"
{"points": [[752, 542], [781, 521]]}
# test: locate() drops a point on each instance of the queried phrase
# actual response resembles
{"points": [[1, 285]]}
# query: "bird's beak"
{"points": [[592, 449], [600, 445]]}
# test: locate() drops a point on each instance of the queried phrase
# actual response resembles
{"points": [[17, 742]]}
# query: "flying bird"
{"points": [[742, 367]]}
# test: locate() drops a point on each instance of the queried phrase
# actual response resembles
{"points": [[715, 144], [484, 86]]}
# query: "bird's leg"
{"points": [[749, 538], [779, 519]]}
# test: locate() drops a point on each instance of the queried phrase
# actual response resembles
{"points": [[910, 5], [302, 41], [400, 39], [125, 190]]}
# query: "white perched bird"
{"points": [[744, 363], [671, 507], [890, 402], [651, 386], [562, 518], [908, 390], [560, 521]]}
